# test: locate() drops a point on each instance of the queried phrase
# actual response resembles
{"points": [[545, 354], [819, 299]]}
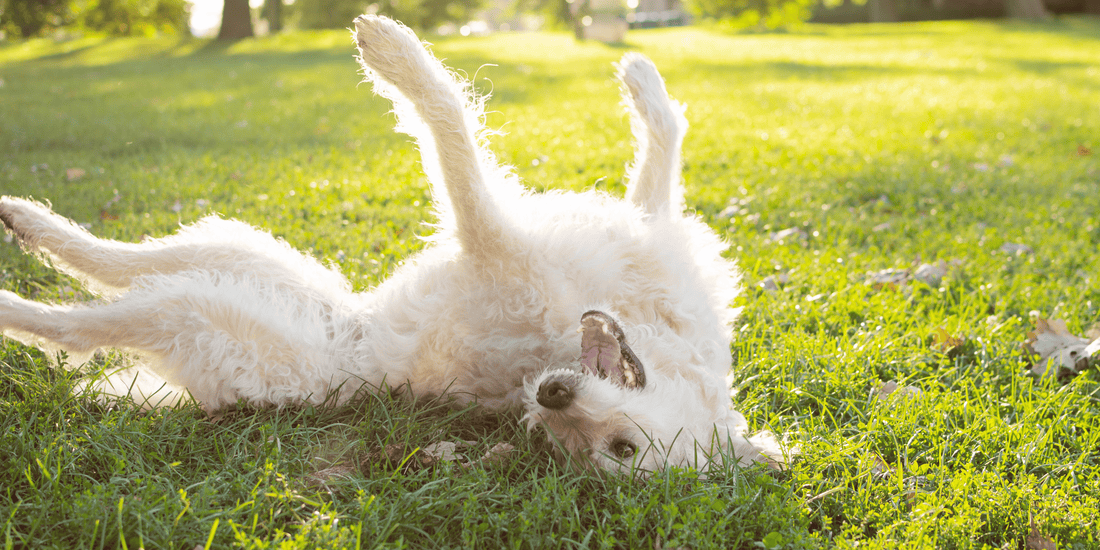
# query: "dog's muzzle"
{"points": [[555, 393]]}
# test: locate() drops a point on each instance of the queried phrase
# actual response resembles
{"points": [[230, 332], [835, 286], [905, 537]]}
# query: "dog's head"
{"points": [[641, 407]]}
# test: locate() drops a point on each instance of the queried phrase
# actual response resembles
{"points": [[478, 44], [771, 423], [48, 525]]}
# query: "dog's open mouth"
{"points": [[604, 352]]}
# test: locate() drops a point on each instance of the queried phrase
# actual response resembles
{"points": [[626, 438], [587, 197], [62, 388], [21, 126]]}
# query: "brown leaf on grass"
{"points": [[946, 343], [793, 233], [915, 485], [1060, 351], [107, 216], [498, 454], [771, 282], [1015, 249], [336, 471], [881, 470], [931, 274], [1037, 541], [658, 544], [889, 278], [396, 456], [1083, 151], [75, 173], [891, 388], [446, 451]]}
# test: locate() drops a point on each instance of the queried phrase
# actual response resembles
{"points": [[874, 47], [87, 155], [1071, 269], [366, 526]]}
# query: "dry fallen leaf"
{"points": [[946, 343], [341, 470], [394, 456], [881, 470], [498, 454], [74, 173], [772, 282], [1037, 541], [889, 278], [1016, 249], [891, 387], [789, 233], [1058, 349], [444, 450], [931, 274]]}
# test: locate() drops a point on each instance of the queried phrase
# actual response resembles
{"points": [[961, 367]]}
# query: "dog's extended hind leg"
{"points": [[658, 125], [212, 244], [222, 338], [444, 116]]}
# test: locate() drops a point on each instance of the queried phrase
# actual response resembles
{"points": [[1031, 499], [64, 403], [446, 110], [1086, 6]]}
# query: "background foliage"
{"points": [[419, 14], [27, 18], [755, 14]]}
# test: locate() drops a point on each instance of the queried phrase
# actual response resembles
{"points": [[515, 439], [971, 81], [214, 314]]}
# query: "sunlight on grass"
{"points": [[824, 157]]}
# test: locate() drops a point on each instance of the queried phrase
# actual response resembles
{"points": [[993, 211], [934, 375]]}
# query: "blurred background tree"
{"points": [[557, 13], [759, 14], [273, 13], [419, 14], [29, 18], [236, 20], [328, 14]]}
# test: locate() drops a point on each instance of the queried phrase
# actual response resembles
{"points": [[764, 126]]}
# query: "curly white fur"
{"points": [[488, 312]]}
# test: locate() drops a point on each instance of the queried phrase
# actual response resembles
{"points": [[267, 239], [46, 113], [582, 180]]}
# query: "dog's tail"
{"points": [[444, 115], [658, 125]]}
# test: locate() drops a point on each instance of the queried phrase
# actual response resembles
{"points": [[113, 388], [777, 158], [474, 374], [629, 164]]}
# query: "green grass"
{"points": [[888, 146]]}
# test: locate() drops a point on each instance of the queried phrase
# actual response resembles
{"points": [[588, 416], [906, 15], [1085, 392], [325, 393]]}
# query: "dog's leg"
{"points": [[212, 244], [658, 125], [443, 114], [222, 338]]}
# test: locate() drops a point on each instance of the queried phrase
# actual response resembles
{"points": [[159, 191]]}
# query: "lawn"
{"points": [[826, 157]]}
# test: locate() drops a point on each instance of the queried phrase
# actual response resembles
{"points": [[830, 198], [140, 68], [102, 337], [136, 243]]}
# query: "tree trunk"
{"points": [[885, 11], [1026, 9], [273, 12], [236, 20], [578, 9]]}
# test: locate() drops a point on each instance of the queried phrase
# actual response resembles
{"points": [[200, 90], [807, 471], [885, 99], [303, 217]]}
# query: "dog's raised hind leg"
{"points": [[443, 114], [658, 125], [212, 244]]}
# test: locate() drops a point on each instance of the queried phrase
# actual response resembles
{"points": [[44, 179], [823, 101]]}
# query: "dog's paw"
{"points": [[368, 29], [638, 73], [20, 215], [385, 46], [644, 92]]}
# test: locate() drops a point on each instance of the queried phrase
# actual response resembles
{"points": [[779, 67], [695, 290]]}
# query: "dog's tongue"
{"points": [[604, 352], [600, 353]]}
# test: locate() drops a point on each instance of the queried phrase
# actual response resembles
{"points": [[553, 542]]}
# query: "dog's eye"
{"points": [[623, 448]]}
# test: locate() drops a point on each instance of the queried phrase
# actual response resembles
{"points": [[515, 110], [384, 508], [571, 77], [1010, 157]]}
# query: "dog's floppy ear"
{"points": [[604, 352]]}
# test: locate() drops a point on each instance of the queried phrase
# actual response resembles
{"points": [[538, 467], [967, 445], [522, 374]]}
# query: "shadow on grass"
{"points": [[785, 70], [1057, 69], [1077, 27]]}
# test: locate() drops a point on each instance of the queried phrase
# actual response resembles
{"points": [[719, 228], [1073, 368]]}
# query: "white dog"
{"points": [[606, 321]]}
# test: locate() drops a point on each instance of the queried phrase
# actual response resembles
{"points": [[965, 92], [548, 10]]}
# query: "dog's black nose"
{"points": [[554, 394]]}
